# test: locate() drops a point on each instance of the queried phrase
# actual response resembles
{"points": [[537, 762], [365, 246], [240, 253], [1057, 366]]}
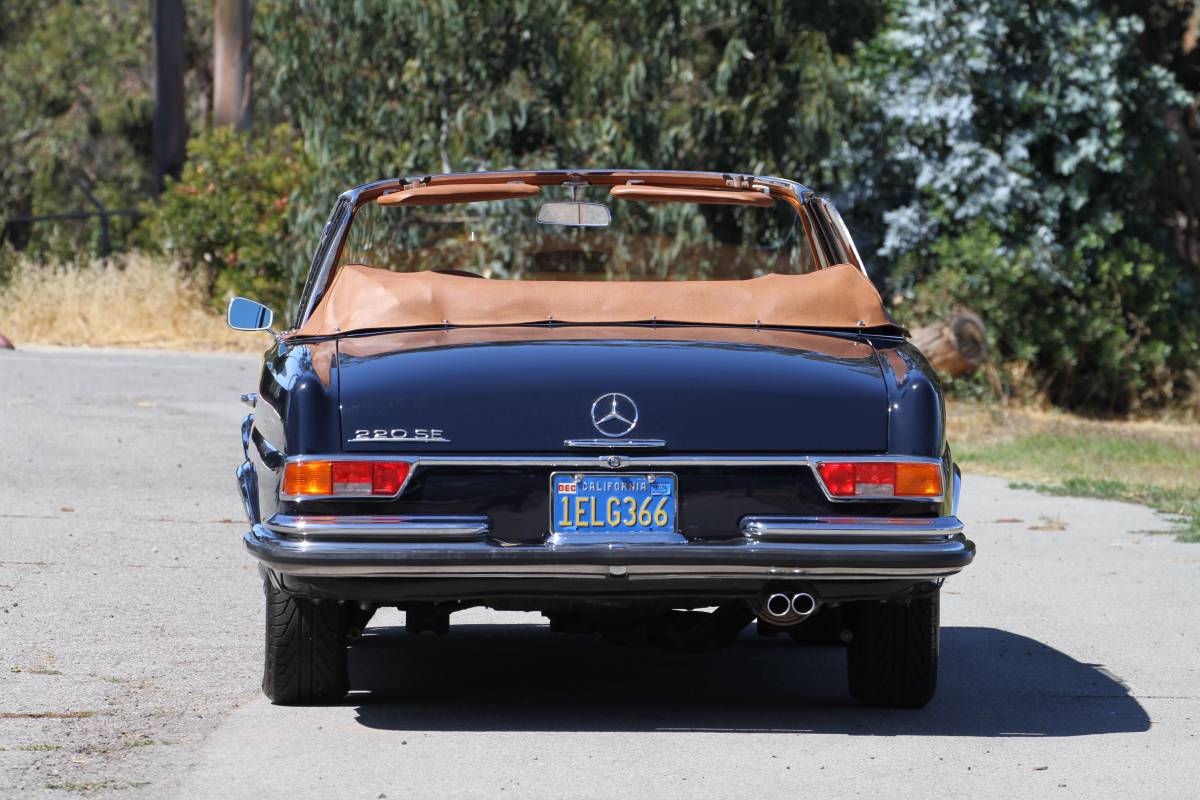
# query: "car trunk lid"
{"points": [[531, 389]]}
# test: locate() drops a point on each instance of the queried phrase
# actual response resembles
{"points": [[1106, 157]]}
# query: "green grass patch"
{"points": [[1131, 468]]}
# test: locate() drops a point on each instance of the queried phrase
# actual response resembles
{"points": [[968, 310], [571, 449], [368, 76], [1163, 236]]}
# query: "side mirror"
{"points": [[247, 315], [575, 213]]}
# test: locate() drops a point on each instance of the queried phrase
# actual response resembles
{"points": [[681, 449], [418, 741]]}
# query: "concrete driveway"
{"points": [[130, 644]]}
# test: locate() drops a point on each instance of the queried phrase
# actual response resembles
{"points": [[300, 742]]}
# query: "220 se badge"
{"points": [[399, 435], [679, 409]]}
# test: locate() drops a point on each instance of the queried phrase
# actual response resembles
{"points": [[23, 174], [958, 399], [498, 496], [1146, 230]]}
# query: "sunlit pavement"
{"points": [[1069, 649]]}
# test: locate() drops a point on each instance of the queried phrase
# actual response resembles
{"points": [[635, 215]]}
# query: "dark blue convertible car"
{"points": [[655, 405]]}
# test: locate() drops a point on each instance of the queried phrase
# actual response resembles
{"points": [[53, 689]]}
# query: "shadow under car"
{"points": [[524, 678]]}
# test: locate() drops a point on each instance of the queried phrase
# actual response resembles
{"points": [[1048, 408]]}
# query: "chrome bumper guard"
{"points": [[835, 548]]}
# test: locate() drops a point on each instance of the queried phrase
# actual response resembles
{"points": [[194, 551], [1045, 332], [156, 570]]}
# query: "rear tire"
{"points": [[305, 661], [893, 658]]}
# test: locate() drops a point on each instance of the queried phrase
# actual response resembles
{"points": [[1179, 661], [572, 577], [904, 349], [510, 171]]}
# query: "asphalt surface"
{"points": [[130, 644]]}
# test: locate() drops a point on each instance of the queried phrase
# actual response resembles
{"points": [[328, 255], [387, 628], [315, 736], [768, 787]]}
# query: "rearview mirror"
{"points": [[575, 213], [247, 315]]}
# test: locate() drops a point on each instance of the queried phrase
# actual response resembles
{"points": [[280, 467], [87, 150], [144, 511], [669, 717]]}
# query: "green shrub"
{"points": [[1111, 325], [226, 216]]}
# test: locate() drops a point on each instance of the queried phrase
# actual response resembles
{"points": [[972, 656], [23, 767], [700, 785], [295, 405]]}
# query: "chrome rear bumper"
{"points": [[836, 548]]}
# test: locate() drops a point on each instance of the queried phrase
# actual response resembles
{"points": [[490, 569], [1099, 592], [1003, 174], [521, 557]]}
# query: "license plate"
{"points": [[607, 503]]}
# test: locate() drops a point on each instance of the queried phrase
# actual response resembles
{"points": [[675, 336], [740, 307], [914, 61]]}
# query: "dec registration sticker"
{"points": [[606, 503]]}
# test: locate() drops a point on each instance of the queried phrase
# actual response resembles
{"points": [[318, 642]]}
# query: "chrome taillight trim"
{"points": [[818, 461], [382, 458]]}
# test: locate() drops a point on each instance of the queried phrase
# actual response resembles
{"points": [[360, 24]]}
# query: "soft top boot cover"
{"points": [[365, 298]]}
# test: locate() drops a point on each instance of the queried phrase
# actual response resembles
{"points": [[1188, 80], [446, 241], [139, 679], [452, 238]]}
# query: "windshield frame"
{"points": [[828, 238]]}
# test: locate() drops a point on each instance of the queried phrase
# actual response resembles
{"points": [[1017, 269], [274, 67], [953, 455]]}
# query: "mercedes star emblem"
{"points": [[614, 414]]}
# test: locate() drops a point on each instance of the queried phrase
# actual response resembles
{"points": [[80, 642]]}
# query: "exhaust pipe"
{"points": [[783, 609], [778, 605], [803, 605]]}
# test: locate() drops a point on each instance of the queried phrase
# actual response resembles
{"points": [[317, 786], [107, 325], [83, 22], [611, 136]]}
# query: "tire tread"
{"points": [[305, 649], [893, 659]]}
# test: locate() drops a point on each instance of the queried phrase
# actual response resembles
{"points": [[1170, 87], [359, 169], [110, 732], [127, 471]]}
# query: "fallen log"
{"points": [[955, 347]]}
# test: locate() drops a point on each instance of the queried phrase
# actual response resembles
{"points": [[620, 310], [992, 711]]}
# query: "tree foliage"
{"points": [[746, 85], [76, 111], [75, 89], [1014, 166], [1039, 119], [225, 218], [1036, 161]]}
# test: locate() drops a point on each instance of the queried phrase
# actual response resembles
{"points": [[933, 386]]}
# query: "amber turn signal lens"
{"points": [[308, 478], [918, 480]]}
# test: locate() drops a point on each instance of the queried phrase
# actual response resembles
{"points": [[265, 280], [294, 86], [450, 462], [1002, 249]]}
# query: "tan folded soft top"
{"points": [[365, 298]]}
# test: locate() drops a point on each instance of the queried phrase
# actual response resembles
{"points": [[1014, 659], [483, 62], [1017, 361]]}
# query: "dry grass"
{"points": [[133, 301], [1152, 462], [1053, 447], [977, 423]]}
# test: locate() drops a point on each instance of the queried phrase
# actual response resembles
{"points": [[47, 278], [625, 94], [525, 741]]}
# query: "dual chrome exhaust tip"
{"points": [[785, 609]]}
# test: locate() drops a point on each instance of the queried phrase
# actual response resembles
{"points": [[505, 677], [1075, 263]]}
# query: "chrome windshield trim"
{"points": [[825, 528], [412, 527], [610, 444], [320, 272]]}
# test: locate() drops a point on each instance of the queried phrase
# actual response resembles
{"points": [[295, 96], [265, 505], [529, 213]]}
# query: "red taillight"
{"points": [[881, 478], [389, 476], [351, 477], [344, 478], [839, 478]]}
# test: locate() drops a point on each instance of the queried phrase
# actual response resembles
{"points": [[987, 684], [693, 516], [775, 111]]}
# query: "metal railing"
{"points": [[101, 212]]}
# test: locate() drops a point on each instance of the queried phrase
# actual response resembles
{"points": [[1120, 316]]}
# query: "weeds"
{"points": [[132, 302]]}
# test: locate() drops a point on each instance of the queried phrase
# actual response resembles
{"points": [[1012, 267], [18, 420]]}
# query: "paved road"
{"points": [[129, 647]]}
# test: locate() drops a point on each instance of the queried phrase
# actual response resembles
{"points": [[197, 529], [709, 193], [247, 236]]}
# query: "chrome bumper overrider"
{"points": [[769, 547]]}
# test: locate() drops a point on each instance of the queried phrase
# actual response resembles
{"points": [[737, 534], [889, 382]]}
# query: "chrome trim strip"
{"points": [[839, 226], [634, 462], [411, 528], [615, 461], [614, 443], [956, 491], [247, 428], [379, 559], [799, 529], [247, 481]]}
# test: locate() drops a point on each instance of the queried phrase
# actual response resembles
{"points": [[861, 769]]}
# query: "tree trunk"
{"points": [[955, 347], [170, 122], [232, 63]]}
